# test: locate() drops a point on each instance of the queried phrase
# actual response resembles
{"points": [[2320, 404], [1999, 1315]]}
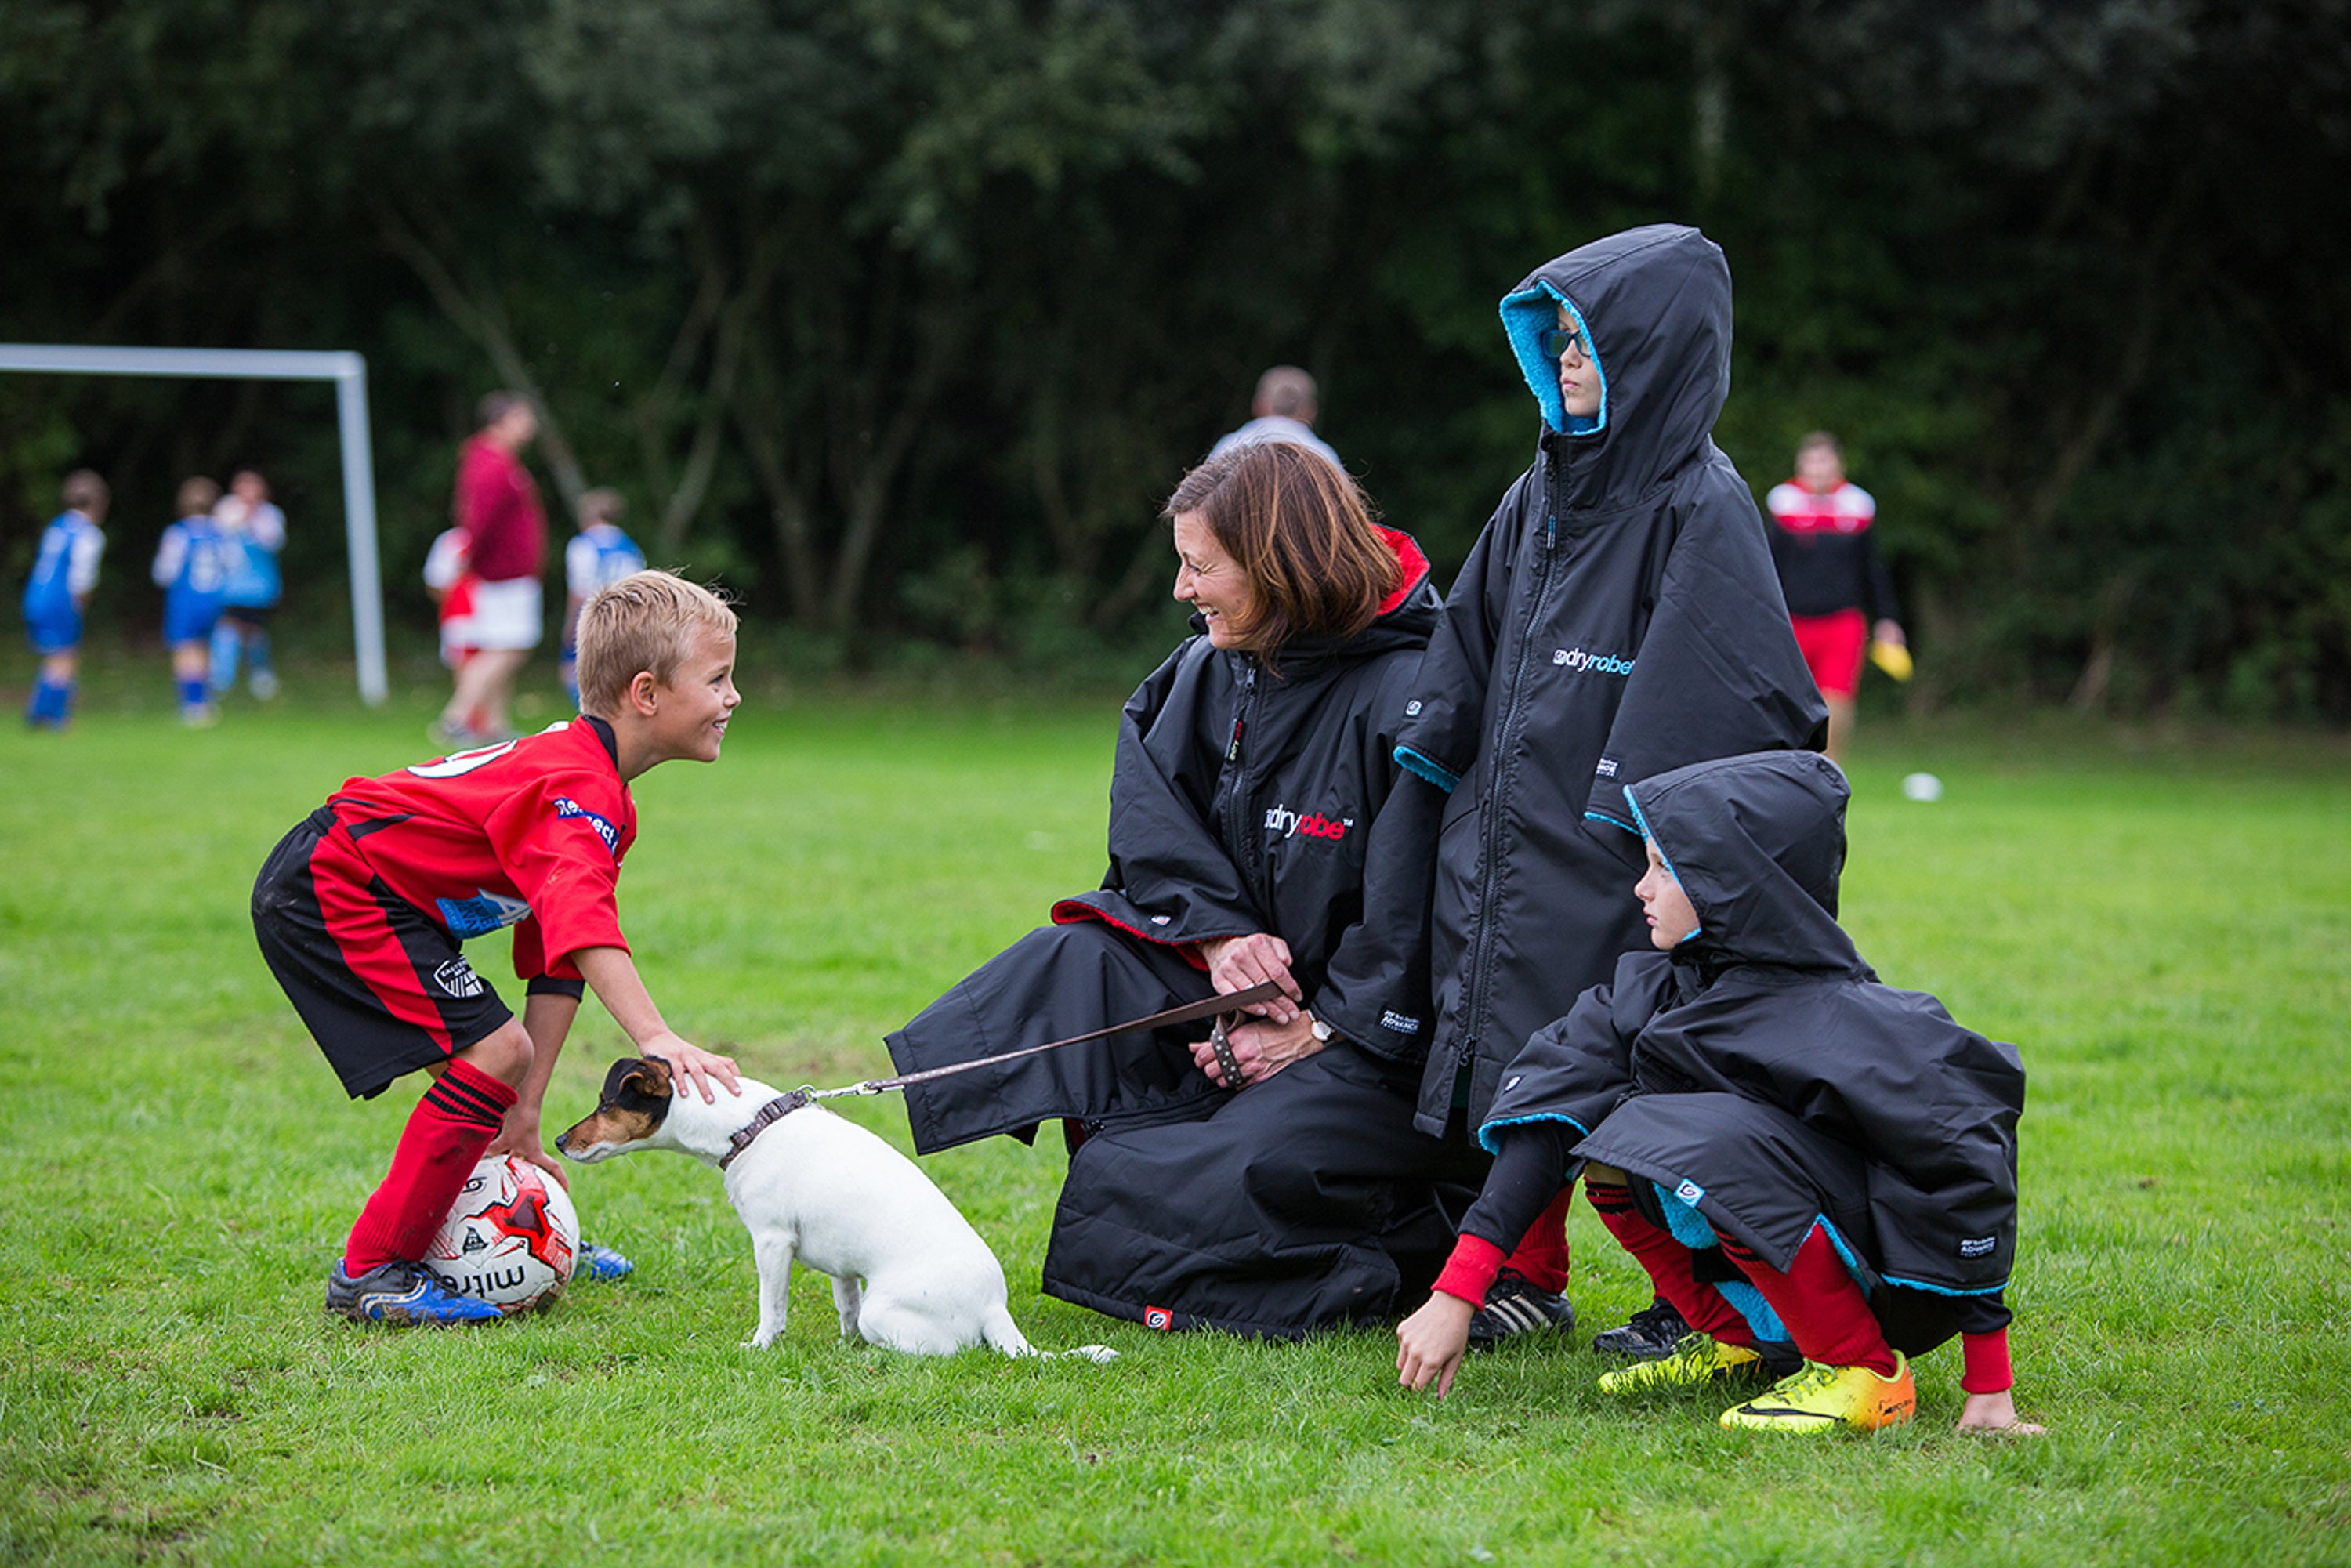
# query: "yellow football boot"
{"points": [[1697, 1358], [1817, 1398]]}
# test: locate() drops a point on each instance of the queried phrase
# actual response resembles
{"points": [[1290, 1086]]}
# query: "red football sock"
{"points": [[1540, 1257], [1985, 1357], [1826, 1314], [445, 1138], [1668, 1263]]}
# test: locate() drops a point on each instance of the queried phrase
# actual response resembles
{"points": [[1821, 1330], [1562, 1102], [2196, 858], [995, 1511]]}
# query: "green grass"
{"points": [[2163, 924]]}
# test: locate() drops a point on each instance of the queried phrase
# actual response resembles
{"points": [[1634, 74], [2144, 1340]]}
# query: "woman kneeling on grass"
{"points": [[1253, 797]]}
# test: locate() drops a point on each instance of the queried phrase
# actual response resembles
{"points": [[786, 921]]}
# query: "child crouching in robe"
{"points": [[1817, 1170]]}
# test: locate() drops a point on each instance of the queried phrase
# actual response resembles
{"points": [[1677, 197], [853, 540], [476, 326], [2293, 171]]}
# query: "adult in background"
{"points": [[1253, 801], [1284, 409], [1618, 618], [1840, 595], [252, 530], [496, 504]]}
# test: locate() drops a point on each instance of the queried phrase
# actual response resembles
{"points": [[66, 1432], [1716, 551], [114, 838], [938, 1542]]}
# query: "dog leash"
{"points": [[783, 1105]]}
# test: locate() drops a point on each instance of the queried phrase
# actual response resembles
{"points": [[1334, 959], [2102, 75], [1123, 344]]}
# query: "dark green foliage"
{"points": [[904, 315]]}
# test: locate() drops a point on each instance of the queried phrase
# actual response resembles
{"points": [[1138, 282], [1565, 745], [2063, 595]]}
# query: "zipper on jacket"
{"points": [[1247, 850], [1481, 976]]}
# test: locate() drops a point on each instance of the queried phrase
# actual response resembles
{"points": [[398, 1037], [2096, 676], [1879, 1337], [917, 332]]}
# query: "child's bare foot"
{"points": [[1995, 1413]]}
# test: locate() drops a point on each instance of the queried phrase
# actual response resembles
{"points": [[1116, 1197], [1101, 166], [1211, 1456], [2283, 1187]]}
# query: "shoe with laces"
{"points": [[1515, 1306], [402, 1292], [1698, 1359], [601, 1264], [1817, 1398], [1649, 1334]]}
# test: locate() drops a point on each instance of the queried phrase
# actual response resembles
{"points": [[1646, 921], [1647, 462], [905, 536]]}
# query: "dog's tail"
{"points": [[1000, 1332]]}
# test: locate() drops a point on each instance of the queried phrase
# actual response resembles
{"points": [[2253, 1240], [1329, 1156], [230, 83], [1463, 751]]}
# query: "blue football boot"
{"points": [[601, 1264], [402, 1292]]}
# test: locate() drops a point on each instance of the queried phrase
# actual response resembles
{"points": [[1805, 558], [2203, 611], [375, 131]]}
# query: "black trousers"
{"points": [[1303, 1202]]}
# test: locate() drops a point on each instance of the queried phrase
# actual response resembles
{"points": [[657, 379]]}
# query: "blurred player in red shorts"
{"points": [[1840, 595]]}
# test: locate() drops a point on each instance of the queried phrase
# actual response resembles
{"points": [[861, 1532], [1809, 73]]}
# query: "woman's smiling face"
{"points": [[1211, 582]]}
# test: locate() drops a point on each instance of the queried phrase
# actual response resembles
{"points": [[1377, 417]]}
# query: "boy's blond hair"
{"points": [[646, 621]]}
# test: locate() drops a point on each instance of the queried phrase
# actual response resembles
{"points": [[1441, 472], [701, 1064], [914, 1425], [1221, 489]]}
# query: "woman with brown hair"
{"points": [[1250, 1182]]}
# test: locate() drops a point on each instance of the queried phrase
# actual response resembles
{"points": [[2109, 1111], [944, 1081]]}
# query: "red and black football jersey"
{"points": [[529, 833]]}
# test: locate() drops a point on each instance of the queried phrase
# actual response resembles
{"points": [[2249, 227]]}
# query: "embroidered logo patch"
{"points": [[1158, 1318], [1689, 1192], [1287, 823], [1607, 769], [1978, 1246], [1586, 662], [1399, 1022], [456, 979], [1412, 708], [1161, 919]]}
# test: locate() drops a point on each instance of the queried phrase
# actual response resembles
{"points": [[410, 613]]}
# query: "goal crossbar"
{"points": [[348, 371]]}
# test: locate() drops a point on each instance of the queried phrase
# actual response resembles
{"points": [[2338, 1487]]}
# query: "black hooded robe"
{"points": [[1243, 799], [1758, 1080], [1618, 617]]}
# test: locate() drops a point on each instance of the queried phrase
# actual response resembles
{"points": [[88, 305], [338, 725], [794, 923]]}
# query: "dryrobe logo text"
{"points": [[1399, 1022], [1576, 659], [1977, 1247], [1287, 823]]}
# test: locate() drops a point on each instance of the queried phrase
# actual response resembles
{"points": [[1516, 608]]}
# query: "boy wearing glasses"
{"points": [[1618, 618]]}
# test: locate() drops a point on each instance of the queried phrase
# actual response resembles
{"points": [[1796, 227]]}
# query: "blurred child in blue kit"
{"points": [[65, 571], [191, 569], [598, 555], [253, 531]]}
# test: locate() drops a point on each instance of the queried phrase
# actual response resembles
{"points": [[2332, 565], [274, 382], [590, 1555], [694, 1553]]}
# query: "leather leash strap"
{"points": [[783, 1105]]}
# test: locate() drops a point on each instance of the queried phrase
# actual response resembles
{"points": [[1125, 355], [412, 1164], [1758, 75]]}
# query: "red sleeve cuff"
{"points": [[1986, 1369], [1469, 1272]]}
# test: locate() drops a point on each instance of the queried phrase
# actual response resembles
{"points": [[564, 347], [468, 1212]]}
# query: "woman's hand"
{"points": [[1430, 1343], [1237, 962], [1259, 1049], [1996, 1412]]}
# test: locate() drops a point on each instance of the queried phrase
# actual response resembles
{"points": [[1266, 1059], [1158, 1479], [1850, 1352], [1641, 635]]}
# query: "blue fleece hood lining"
{"points": [[1525, 318], [1648, 836]]}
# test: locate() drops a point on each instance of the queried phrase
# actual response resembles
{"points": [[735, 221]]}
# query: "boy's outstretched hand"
{"points": [[698, 1065], [1996, 1412], [1430, 1343]]}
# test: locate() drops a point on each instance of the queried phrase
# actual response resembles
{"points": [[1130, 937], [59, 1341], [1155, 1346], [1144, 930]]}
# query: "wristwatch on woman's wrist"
{"points": [[1323, 1032]]}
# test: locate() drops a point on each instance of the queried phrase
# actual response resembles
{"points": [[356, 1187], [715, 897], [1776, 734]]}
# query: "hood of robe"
{"points": [[1758, 844], [1655, 303]]}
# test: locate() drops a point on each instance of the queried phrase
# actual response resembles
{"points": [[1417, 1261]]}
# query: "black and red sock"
{"points": [[447, 1134], [1701, 1306]]}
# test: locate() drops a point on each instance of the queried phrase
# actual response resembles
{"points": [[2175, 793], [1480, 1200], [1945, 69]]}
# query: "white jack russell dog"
{"points": [[908, 1271]]}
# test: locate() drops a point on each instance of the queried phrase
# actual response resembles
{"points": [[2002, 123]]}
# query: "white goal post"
{"points": [[348, 373]]}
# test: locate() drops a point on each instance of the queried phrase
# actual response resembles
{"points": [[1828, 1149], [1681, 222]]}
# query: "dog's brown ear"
{"points": [[633, 1077]]}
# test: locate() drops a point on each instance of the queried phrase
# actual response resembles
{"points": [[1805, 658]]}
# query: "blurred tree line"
{"points": [[903, 315]]}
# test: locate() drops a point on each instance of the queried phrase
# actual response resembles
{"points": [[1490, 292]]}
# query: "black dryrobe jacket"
{"points": [[1759, 1074], [1252, 799], [1618, 617]]}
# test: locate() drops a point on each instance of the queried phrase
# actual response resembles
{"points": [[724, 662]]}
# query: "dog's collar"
{"points": [[773, 1112]]}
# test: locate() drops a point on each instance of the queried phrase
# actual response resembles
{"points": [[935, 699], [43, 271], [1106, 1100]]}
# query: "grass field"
{"points": [[2164, 926]]}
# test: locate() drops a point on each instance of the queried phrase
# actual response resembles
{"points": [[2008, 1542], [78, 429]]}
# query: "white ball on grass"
{"points": [[511, 1239], [1922, 786]]}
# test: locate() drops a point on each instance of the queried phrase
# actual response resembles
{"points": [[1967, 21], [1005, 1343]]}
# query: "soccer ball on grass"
{"points": [[510, 1239]]}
